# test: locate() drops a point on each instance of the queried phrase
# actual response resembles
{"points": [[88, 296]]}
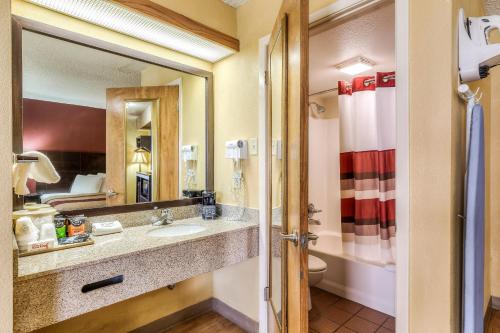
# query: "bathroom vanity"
{"points": [[56, 286]]}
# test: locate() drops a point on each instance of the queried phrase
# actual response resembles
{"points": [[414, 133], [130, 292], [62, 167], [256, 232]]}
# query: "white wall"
{"points": [[324, 167], [5, 166]]}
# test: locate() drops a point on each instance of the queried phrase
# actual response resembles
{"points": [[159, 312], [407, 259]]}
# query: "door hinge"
{"points": [[266, 77], [267, 295]]}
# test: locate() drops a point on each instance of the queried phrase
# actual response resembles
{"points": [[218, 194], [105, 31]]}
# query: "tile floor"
{"points": [[331, 313]]}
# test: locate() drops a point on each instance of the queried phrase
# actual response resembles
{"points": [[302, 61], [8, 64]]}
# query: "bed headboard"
{"points": [[70, 164]]}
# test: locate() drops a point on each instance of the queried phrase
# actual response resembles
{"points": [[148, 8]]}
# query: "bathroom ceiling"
{"points": [[59, 71], [235, 3], [491, 7], [370, 35]]}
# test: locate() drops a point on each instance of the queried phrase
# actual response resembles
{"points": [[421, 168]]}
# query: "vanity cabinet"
{"points": [[45, 298]]}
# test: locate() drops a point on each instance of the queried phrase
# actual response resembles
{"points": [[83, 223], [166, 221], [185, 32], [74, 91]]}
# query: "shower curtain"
{"points": [[367, 118]]}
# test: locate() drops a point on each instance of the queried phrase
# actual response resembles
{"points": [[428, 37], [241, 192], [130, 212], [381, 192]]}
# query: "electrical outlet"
{"points": [[253, 147]]}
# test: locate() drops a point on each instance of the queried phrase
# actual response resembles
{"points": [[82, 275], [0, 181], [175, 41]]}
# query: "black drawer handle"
{"points": [[101, 284]]}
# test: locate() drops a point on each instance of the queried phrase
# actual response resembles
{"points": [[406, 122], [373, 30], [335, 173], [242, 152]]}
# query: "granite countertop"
{"points": [[131, 241]]}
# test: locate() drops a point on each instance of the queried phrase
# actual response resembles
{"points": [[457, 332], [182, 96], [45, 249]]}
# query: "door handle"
{"points": [[293, 237]]}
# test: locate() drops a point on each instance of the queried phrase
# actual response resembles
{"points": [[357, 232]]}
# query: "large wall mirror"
{"points": [[118, 131]]}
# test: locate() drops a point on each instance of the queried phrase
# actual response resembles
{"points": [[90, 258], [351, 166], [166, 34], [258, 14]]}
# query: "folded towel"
{"points": [[41, 171], [106, 228]]}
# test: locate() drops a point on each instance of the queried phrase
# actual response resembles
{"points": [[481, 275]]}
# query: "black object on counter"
{"points": [[208, 208], [192, 193]]}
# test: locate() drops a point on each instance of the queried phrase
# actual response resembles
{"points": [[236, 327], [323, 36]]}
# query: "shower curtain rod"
{"points": [[385, 78]]}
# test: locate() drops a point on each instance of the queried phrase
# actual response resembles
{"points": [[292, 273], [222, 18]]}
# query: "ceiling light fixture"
{"points": [[118, 18], [355, 65]]}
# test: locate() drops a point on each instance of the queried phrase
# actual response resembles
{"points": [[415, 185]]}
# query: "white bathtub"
{"points": [[367, 283]]}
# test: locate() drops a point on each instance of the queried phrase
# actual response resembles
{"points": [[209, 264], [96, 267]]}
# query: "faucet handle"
{"points": [[168, 213]]}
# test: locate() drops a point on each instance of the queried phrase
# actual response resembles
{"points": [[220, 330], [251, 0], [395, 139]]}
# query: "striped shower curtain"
{"points": [[367, 117]]}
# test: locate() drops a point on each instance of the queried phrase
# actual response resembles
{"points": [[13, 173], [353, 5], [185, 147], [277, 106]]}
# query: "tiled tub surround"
{"points": [[48, 287]]}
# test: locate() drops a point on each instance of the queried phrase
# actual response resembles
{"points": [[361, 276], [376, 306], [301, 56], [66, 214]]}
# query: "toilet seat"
{"points": [[316, 264]]}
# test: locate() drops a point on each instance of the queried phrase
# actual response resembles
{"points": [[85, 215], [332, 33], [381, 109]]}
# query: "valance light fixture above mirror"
{"points": [[114, 127], [159, 26]]}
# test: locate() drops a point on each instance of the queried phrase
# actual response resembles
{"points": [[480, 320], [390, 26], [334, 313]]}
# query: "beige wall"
{"points": [[5, 165], [436, 165], [193, 113], [139, 311], [237, 95], [212, 13]]}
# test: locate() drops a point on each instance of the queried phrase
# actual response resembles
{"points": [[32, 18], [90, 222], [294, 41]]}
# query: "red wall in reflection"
{"points": [[54, 126]]}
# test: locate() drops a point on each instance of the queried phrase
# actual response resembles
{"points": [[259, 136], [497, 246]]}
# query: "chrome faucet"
{"points": [[166, 218]]}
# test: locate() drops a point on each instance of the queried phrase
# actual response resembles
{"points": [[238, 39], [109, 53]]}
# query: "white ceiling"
{"points": [[234, 3], [137, 108], [370, 35], [59, 71], [491, 7]]}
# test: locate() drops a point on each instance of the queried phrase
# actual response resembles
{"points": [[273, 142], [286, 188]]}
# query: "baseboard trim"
{"points": [[244, 322], [211, 304], [488, 313], [495, 302]]}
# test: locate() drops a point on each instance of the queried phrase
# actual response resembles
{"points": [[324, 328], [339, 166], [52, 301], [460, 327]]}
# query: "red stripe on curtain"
{"points": [[346, 166], [367, 209], [387, 211], [347, 209], [365, 162], [387, 161]]}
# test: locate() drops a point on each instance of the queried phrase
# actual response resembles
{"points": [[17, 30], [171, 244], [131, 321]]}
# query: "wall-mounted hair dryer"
{"points": [[475, 55]]}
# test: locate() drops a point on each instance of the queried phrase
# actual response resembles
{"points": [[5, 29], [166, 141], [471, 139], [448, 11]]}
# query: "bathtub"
{"points": [[367, 283]]}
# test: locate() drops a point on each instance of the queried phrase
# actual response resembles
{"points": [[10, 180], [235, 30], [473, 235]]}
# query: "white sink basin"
{"points": [[176, 230]]}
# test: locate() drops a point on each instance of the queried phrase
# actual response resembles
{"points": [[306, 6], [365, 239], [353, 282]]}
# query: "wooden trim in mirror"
{"points": [[20, 23], [158, 12]]}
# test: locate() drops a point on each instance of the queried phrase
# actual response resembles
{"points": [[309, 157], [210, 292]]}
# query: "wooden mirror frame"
{"points": [[19, 24]]}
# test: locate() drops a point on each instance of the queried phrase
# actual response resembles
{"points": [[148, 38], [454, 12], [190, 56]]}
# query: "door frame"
{"points": [[340, 10]]}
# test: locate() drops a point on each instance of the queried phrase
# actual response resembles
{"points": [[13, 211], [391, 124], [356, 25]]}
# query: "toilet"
{"points": [[317, 269]]}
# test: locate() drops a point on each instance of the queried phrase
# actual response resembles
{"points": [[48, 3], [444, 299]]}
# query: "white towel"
{"points": [[41, 171], [106, 228]]}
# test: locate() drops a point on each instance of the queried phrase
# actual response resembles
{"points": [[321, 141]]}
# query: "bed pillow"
{"points": [[86, 184], [103, 176]]}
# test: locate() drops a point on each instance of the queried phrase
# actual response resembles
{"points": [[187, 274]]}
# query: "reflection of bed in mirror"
{"points": [[82, 183]]}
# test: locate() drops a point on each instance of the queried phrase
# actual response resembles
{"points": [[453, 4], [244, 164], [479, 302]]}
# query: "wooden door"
{"points": [[166, 159], [288, 175]]}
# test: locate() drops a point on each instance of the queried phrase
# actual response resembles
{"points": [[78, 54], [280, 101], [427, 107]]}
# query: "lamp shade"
{"points": [[140, 156]]}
